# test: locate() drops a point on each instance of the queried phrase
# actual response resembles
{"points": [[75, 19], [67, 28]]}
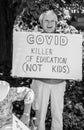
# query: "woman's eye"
{"points": [[46, 20]]}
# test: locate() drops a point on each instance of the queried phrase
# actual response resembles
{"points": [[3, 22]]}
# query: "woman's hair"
{"points": [[47, 13]]}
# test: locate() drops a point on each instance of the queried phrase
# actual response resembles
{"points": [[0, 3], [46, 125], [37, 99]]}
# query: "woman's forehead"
{"points": [[50, 16]]}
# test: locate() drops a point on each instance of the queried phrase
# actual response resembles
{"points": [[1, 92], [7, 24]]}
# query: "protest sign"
{"points": [[18, 125], [47, 55]]}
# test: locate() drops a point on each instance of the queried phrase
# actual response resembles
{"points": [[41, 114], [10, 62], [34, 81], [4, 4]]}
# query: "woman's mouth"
{"points": [[49, 27]]}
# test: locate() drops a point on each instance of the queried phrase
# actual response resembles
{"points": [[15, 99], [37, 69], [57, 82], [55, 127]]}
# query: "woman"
{"points": [[9, 95], [50, 88]]}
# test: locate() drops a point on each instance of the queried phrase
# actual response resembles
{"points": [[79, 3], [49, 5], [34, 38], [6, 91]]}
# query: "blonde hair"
{"points": [[47, 13]]}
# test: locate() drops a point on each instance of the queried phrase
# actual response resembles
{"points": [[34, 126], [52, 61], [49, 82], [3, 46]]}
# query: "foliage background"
{"points": [[73, 114]]}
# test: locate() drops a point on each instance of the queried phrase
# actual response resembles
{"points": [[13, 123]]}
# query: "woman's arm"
{"points": [[27, 107], [26, 94]]}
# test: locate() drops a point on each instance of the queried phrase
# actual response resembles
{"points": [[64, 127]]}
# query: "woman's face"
{"points": [[49, 22]]}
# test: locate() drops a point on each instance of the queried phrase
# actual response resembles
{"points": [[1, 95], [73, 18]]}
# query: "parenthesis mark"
{"points": [[23, 67], [68, 71]]}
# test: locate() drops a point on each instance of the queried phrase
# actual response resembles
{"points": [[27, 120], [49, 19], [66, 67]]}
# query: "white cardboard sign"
{"points": [[47, 55]]}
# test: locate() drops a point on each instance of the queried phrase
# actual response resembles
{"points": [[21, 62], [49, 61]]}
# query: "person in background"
{"points": [[50, 88], [7, 96]]}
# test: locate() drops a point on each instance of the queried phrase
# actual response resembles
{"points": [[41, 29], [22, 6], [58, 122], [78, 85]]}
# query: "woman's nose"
{"points": [[49, 23]]}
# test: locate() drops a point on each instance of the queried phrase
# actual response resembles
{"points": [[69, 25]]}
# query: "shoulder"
{"points": [[73, 29]]}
